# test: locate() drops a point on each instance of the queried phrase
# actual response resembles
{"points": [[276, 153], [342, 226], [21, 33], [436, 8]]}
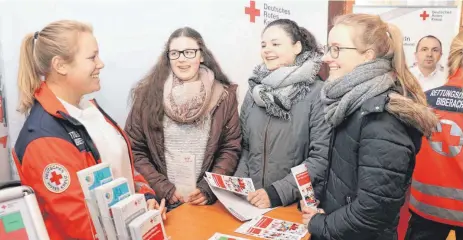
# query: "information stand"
{"points": [[20, 217]]}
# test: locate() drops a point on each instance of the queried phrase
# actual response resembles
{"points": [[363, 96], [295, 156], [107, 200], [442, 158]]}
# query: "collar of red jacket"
{"points": [[49, 101], [456, 79]]}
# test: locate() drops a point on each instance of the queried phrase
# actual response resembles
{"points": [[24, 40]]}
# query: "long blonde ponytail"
{"points": [[407, 80], [38, 49], [28, 78], [386, 40]]}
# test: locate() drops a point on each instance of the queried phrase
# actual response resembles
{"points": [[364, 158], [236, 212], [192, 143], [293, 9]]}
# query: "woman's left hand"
{"points": [[197, 198], [259, 198], [153, 204], [308, 213]]}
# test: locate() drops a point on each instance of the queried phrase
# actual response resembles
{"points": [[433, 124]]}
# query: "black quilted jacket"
{"points": [[371, 160]]}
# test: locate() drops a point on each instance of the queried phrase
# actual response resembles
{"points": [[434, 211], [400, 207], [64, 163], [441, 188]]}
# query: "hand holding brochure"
{"points": [[242, 186], [267, 227], [237, 205], [304, 185]]}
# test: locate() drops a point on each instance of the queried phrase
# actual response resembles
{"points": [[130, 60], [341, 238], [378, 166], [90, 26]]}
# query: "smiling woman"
{"points": [[282, 116], [64, 133], [378, 114], [185, 109], [186, 68]]}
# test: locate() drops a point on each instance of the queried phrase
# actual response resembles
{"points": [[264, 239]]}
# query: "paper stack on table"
{"points": [[232, 192], [271, 228], [221, 236]]}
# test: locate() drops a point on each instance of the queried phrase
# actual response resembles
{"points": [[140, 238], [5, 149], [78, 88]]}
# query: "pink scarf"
{"points": [[185, 102]]}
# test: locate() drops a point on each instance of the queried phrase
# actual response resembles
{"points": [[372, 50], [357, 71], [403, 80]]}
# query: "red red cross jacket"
{"points": [[51, 147], [437, 186]]}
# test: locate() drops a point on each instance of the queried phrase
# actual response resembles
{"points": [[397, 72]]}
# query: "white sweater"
{"points": [[180, 139]]}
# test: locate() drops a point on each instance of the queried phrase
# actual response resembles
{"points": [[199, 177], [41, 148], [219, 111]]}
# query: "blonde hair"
{"points": [[385, 40], [38, 49], [456, 54]]}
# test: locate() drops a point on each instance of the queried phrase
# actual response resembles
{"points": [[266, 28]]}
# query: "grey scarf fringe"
{"points": [[274, 110], [286, 85]]}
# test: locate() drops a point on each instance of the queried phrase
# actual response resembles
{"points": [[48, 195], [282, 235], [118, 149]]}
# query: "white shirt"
{"points": [[111, 145], [436, 79]]}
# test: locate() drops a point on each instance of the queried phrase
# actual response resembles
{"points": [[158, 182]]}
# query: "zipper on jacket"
{"points": [[265, 153], [348, 199]]}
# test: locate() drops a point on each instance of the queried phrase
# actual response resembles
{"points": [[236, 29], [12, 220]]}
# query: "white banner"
{"points": [[416, 22], [5, 168], [132, 34]]}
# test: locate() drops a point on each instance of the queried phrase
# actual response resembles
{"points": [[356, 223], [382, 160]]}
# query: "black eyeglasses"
{"points": [[188, 53], [334, 50]]}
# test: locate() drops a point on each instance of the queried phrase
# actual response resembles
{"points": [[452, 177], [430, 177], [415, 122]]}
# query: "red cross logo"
{"points": [[252, 11], [424, 15], [448, 139], [152, 221], [442, 137], [55, 178]]}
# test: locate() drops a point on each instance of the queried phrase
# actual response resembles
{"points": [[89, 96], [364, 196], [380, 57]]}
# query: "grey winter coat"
{"points": [[272, 146]]}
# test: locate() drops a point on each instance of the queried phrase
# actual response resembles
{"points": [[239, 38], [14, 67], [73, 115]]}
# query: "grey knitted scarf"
{"points": [[346, 94], [279, 89]]}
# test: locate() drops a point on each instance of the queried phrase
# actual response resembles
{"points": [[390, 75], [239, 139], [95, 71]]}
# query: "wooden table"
{"points": [[201, 222]]}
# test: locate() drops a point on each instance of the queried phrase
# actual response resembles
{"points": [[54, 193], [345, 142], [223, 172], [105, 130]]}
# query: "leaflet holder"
{"points": [[20, 216], [108, 220], [92, 208]]}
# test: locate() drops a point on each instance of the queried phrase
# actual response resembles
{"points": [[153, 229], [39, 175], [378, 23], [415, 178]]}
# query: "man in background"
{"points": [[427, 71]]}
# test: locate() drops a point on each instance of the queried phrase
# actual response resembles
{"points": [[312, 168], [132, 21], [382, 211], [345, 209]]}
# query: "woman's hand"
{"points": [[197, 198], [153, 204], [308, 213], [259, 198], [177, 197]]}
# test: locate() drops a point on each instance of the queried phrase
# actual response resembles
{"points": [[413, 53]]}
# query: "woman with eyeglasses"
{"points": [[184, 110], [379, 114], [282, 116]]}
